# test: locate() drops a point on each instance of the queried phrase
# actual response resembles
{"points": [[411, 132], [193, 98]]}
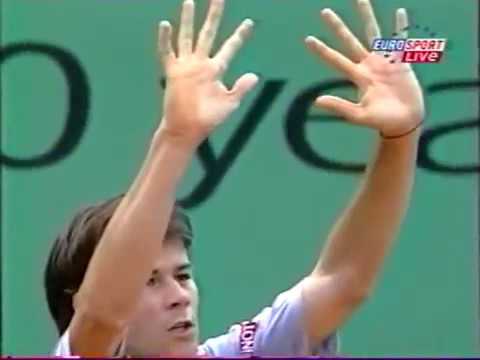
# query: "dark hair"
{"points": [[73, 249]]}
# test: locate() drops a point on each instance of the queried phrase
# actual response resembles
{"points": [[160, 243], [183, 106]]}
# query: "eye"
{"points": [[184, 277]]}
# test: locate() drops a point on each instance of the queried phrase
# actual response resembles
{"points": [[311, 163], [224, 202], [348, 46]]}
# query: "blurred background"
{"points": [[81, 95]]}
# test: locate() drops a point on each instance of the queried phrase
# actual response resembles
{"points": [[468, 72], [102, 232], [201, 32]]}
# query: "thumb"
{"points": [[243, 85], [344, 108]]}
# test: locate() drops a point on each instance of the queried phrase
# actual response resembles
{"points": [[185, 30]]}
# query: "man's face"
{"points": [[166, 320]]}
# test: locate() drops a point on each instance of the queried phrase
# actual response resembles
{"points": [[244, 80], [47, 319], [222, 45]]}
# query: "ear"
{"points": [[74, 300]]}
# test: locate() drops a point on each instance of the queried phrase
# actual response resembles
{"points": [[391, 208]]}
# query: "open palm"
{"points": [[390, 97], [196, 100]]}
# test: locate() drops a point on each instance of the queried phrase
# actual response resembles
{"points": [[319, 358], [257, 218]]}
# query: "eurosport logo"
{"points": [[427, 50]]}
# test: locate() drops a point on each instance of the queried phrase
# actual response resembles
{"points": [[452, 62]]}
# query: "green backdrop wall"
{"points": [[261, 222]]}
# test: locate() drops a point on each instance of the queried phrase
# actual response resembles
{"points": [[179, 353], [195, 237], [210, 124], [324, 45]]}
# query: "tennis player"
{"points": [[119, 279]]}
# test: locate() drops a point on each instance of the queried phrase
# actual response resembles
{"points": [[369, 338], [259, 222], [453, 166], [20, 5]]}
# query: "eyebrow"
{"points": [[182, 267]]}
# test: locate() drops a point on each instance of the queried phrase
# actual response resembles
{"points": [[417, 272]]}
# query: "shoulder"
{"points": [[277, 330], [62, 347]]}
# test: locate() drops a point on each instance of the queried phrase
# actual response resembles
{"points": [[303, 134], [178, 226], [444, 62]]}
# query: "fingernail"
{"points": [[248, 22], [326, 12], [258, 75]]}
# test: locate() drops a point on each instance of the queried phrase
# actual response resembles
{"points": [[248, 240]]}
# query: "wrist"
{"points": [[166, 137], [413, 132]]}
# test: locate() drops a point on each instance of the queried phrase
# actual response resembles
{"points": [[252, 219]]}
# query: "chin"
{"points": [[186, 349], [183, 349], [179, 349]]}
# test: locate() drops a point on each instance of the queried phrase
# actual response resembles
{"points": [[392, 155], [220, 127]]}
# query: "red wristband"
{"points": [[401, 135]]}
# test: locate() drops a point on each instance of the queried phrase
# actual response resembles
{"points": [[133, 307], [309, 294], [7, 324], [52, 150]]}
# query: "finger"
{"points": [[210, 27], [354, 47], [233, 44], [372, 29], [344, 108], [185, 35], [401, 23], [165, 50], [335, 59], [243, 85]]}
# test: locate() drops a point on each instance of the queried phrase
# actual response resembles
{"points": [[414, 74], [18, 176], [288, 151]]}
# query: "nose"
{"points": [[178, 296]]}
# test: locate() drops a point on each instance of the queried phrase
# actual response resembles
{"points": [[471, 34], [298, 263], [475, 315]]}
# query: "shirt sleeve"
{"points": [[63, 346], [277, 330], [62, 349]]}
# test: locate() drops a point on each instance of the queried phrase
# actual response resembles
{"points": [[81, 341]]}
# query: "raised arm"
{"points": [[195, 102], [391, 102]]}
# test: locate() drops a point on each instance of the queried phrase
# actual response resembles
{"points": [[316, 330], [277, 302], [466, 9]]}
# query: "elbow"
{"points": [[354, 290], [94, 319], [95, 313], [93, 334], [356, 295]]}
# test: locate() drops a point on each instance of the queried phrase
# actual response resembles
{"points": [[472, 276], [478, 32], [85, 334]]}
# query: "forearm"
{"points": [[124, 257], [362, 236]]}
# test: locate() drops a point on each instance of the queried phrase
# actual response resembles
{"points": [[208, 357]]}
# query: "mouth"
{"points": [[182, 327]]}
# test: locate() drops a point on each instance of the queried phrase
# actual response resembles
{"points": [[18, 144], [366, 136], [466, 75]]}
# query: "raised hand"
{"points": [[390, 97], [196, 100]]}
